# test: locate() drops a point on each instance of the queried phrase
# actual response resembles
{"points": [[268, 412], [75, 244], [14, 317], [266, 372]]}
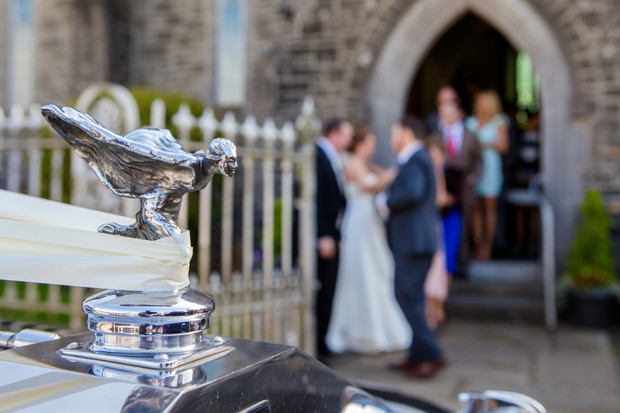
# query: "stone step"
{"points": [[507, 272], [498, 290]]}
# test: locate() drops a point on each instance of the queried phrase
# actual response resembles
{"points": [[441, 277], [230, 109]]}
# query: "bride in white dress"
{"points": [[365, 317]]}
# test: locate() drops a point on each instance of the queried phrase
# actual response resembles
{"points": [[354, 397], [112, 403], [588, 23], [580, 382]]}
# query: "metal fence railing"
{"points": [[252, 234]]}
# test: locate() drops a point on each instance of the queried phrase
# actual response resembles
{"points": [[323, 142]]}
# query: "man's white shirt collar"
{"points": [[329, 149], [335, 159], [408, 151]]}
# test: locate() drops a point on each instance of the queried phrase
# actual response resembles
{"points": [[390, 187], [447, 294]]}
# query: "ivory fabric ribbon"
{"points": [[49, 242]]}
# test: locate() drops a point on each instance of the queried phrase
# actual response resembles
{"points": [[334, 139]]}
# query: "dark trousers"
{"points": [[410, 273], [327, 272]]}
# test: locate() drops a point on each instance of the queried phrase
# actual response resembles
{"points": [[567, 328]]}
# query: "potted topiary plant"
{"points": [[590, 279]]}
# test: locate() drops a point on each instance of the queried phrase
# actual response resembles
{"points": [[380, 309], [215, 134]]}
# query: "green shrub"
{"points": [[590, 260]]}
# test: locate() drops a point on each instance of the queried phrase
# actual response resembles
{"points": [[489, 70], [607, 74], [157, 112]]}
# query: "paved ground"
{"points": [[569, 371]]}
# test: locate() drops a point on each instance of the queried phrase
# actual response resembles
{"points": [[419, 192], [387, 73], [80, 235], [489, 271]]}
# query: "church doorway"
{"points": [[401, 56], [421, 25], [473, 56]]}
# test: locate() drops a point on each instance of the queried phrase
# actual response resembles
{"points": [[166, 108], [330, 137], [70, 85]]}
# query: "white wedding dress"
{"points": [[365, 316]]}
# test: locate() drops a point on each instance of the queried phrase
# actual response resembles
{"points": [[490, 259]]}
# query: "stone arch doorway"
{"points": [[470, 55], [419, 28]]}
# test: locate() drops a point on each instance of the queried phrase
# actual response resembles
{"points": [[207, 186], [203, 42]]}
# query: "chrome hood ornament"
{"points": [[148, 164]]}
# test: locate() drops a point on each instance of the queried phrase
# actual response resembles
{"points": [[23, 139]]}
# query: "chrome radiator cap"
{"points": [[147, 323]]}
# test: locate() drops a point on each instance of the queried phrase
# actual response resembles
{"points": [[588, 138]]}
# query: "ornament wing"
{"points": [[139, 163]]}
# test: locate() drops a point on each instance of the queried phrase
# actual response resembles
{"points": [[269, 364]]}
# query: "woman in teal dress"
{"points": [[490, 125]]}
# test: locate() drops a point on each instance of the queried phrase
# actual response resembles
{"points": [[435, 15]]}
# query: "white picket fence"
{"points": [[263, 289]]}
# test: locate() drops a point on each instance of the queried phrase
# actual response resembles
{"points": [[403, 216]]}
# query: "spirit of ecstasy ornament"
{"points": [[148, 164]]}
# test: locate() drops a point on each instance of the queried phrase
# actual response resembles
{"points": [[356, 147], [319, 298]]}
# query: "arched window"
{"points": [[21, 53], [231, 52]]}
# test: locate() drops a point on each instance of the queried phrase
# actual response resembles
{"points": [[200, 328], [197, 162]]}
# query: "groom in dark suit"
{"points": [[330, 206], [412, 233]]}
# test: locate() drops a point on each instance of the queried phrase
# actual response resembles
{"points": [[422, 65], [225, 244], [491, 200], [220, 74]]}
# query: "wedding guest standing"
{"points": [[491, 128], [330, 206], [412, 235], [462, 169]]}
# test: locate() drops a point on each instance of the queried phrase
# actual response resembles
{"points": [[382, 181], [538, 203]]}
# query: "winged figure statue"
{"points": [[148, 164]]}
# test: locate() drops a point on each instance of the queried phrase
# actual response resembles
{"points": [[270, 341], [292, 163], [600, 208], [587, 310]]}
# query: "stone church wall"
{"points": [[72, 50], [56, 50], [590, 34], [172, 47], [311, 50], [153, 43], [322, 48]]}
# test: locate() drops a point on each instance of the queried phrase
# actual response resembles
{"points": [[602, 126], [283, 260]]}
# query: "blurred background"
{"points": [[555, 61]]}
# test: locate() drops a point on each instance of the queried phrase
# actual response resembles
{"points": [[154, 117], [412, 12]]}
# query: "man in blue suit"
{"points": [[412, 235]]}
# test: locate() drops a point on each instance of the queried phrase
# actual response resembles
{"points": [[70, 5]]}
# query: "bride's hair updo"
{"points": [[360, 135]]}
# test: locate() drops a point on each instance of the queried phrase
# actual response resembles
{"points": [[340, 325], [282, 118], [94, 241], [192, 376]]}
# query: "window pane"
{"points": [[21, 52], [21, 11], [527, 83], [231, 52]]}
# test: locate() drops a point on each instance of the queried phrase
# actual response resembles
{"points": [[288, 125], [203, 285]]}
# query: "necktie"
{"points": [[451, 146]]}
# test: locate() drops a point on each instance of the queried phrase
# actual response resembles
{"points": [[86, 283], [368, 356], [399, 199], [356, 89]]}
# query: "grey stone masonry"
{"points": [[264, 55], [172, 45], [56, 52], [119, 38], [590, 33], [72, 47], [328, 49]]}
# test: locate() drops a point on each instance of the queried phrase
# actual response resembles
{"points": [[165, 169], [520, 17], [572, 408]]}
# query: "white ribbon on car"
{"points": [[48, 242]]}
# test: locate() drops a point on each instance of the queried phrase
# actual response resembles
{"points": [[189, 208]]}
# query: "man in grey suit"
{"points": [[412, 235]]}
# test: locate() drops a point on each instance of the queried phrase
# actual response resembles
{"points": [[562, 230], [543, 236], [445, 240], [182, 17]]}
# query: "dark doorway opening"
{"points": [[472, 56]]}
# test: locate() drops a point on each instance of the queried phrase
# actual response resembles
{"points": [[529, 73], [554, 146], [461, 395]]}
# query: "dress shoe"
{"points": [[426, 369], [402, 366]]}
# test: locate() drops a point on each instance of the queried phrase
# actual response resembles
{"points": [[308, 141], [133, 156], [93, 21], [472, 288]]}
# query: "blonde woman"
{"points": [[491, 128]]}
